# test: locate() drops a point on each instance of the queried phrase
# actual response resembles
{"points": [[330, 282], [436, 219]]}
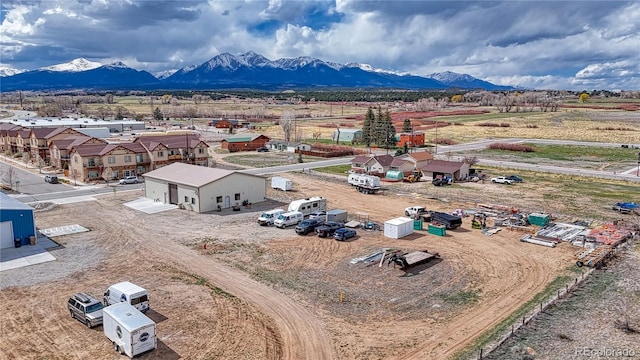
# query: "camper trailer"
{"points": [[308, 205], [131, 332], [366, 184]]}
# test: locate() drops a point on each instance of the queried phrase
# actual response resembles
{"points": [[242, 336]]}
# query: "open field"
{"points": [[223, 287]]}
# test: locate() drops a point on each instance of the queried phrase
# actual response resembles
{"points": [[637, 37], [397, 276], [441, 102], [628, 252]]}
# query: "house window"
{"points": [[193, 201], [160, 154], [200, 151], [218, 199], [127, 158], [139, 158], [111, 160], [186, 199], [129, 173], [114, 175], [91, 162], [237, 196]]}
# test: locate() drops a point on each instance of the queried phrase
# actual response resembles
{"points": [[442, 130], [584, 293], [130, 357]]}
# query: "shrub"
{"points": [[530, 126], [443, 141], [511, 147]]}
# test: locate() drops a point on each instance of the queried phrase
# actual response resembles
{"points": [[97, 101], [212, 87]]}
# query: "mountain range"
{"points": [[226, 71]]}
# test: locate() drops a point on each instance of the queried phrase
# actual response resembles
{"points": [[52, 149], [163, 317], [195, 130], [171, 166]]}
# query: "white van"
{"points": [[288, 219], [309, 205], [129, 293], [268, 217]]}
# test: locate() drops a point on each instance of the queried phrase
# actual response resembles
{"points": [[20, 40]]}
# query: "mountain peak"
{"points": [[79, 64]]}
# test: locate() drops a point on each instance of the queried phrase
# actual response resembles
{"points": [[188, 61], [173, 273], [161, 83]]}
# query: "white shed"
{"points": [[203, 189], [398, 228]]}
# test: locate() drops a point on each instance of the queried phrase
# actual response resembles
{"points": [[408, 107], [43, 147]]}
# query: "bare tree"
{"points": [[9, 175], [26, 157], [107, 174], [40, 163], [288, 124]]}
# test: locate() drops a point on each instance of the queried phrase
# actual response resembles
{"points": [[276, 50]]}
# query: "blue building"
{"points": [[16, 222]]}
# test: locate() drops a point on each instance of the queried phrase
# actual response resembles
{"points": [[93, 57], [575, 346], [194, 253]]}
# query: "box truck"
{"points": [[280, 183], [308, 205], [130, 331], [127, 292]]}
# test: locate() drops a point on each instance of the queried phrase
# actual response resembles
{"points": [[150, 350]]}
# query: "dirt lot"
{"points": [[266, 293]]}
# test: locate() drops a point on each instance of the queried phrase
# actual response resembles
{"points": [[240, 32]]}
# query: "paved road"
{"points": [[33, 188]]}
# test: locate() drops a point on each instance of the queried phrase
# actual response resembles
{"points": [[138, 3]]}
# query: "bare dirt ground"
{"points": [[266, 293]]}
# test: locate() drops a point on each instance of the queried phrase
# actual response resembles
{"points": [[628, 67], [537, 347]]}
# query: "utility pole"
{"points": [[638, 173]]}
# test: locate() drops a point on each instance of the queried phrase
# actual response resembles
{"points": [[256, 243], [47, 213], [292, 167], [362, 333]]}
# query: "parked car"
{"points": [[318, 215], [129, 180], [501, 180], [262, 149], [344, 234], [51, 179], [328, 228], [85, 308], [370, 226], [514, 178], [307, 226]]}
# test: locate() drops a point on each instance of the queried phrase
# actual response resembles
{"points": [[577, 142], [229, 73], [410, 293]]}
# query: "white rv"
{"points": [[129, 293], [309, 205], [368, 184], [268, 217], [288, 219], [130, 331], [280, 183]]}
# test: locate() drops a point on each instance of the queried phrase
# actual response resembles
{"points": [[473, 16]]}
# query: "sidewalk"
{"points": [[42, 171]]}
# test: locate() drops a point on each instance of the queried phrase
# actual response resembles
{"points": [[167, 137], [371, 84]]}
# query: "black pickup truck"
{"points": [[307, 226], [328, 228]]}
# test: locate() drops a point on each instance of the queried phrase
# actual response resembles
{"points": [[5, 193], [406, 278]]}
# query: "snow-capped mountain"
{"points": [[465, 81], [7, 71], [80, 64], [226, 71]]}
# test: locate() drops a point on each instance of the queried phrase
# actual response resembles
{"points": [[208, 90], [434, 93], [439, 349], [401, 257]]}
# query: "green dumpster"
{"points": [[417, 224]]}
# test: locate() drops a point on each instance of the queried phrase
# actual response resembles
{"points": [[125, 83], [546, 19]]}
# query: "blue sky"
{"points": [[564, 45]]}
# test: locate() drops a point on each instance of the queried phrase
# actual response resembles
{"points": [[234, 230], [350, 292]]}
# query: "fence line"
{"points": [[569, 287]]}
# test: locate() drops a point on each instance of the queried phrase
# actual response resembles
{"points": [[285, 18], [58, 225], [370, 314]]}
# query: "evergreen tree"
{"points": [[389, 136], [367, 127], [157, 114], [379, 128], [406, 126]]}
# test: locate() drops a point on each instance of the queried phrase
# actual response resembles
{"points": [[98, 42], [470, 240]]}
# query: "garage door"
{"points": [[6, 234]]}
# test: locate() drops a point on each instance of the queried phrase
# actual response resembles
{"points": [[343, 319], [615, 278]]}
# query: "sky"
{"points": [[553, 45]]}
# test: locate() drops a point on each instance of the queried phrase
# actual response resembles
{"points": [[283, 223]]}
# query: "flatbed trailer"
{"points": [[408, 260], [593, 257]]}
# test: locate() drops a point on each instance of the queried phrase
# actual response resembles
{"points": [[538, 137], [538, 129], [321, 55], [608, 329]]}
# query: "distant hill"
{"points": [[226, 71]]}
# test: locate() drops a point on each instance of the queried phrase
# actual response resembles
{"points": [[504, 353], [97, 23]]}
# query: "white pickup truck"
{"points": [[415, 210], [501, 180]]}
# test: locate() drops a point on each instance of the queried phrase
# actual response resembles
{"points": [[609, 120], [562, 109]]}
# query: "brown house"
{"points": [[8, 133], [244, 142], [456, 170], [59, 149], [167, 149]]}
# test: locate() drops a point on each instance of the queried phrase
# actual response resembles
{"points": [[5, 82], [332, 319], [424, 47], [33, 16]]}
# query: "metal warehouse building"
{"points": [[203, 189], [16, 222]]}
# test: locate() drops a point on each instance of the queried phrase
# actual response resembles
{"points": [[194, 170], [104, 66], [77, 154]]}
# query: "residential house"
{"points": [[166, 149], [456, 170], [288, 146], [347, 135], [373, 164], [412, 139], [41, 138], [59, 149], [90, 162], [8, 132], [225, 123], [244, 142]]}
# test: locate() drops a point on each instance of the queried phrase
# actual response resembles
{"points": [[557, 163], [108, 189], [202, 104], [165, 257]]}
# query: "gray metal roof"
{"points": [[191, 175], [9, 203]]}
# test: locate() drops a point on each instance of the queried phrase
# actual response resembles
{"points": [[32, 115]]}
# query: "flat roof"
{"points": [[130, 317]]}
